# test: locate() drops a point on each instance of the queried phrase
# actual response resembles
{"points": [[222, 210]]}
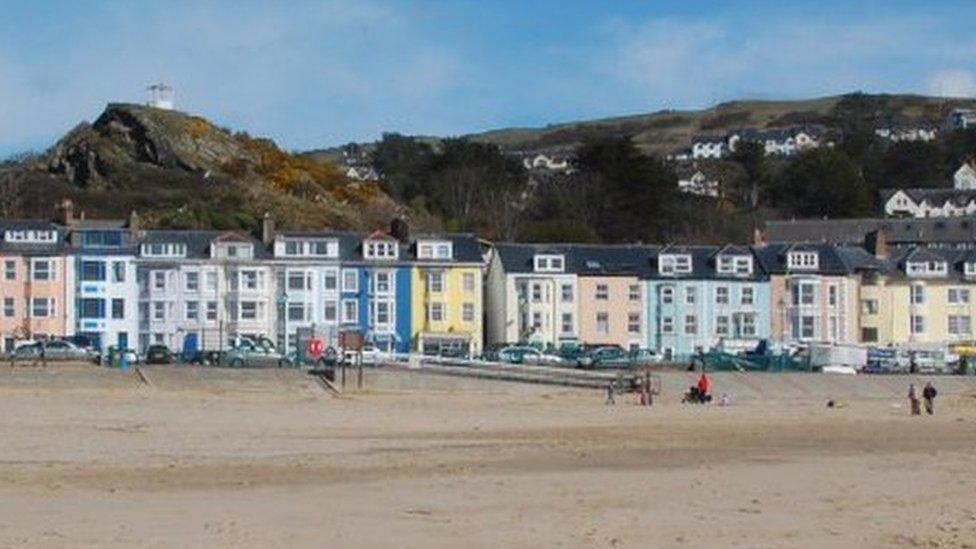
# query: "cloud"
{"points": [[952, 83]]}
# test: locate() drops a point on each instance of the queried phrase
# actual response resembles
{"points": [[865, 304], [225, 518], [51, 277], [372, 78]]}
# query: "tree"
{"points": [[751, 155], [907, 164], [824, 183]]}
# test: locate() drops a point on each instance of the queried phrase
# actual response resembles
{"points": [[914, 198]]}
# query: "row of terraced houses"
{"points": [[125, 286]]}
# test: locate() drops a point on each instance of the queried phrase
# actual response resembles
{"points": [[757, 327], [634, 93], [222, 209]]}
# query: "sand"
{"points": [[123, 466]]}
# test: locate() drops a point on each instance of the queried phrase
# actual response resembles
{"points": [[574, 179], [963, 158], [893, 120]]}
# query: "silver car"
{"points": [[52, 350]]}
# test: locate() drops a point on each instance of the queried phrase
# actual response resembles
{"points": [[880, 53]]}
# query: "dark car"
{"points": [[158, 354]]}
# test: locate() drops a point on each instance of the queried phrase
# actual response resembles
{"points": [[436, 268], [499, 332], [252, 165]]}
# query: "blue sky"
{"points": [[312, 74]]}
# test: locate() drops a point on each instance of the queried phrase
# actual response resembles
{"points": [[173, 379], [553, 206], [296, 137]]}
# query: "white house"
{"points": [[929, 203], [965, 177], [961, 119], [709, 146], [699, 184], [211, 284]]}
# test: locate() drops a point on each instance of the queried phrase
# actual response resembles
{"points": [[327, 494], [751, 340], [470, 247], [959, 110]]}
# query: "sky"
{"points": [[323, 73]]}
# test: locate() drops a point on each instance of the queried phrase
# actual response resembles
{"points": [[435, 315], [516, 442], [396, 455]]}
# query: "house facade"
{"points": [[37, 285], [814, 291], [701, 297]]}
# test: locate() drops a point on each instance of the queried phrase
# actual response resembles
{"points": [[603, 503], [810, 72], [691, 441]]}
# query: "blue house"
{"points": [[703, 297]]}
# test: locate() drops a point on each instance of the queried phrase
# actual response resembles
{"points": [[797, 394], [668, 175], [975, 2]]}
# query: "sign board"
{"points": [[316, 347], [351, 340]]}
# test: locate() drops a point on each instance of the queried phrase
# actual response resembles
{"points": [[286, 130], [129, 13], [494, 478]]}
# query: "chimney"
{"points": [[134, 222], [267, 228], [876, 242], [758, 238], [399, 229], [67, 212]]}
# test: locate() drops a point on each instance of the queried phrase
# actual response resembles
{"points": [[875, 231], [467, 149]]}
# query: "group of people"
{"points": [[928, 397]]}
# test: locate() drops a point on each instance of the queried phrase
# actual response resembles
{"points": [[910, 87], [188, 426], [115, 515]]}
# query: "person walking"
{"points": [[611, 393], [913, 399], [704, 385], [928, 394]]}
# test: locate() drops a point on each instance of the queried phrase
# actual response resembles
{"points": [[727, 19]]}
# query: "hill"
{"points": [[180, 170]]}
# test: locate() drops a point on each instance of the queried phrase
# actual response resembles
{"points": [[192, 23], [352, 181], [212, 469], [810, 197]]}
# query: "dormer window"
{"points": [[738, 265], [327, 247], [43, 237], [969, 269], [232, 250], [380, 249], [160, 249], [926, 268], [550, 263], [434, 249], [674, 264], [803, 261]]}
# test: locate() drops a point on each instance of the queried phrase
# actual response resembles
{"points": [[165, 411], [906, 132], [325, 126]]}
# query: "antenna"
{"points": [[160, 96]]}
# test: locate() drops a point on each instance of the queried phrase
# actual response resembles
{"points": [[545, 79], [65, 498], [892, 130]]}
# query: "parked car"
{"points": [[250, 355], [521, 354], [371, 355], [159, 354], [52, 350], [612, 356]]}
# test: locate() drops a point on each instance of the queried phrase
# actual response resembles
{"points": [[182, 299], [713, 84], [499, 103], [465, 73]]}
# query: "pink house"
{"points": [[35, 284], [611, 310]]}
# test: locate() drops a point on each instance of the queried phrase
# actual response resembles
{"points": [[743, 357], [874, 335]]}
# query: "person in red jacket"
{"points": [[704, 385]]}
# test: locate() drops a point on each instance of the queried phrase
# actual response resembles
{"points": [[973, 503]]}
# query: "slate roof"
{"points": [[832, 260], [950, 231], [31, 248], [198, 241]]}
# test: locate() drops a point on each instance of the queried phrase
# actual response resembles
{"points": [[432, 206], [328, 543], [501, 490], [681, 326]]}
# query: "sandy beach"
{"points": [[121, 466]]}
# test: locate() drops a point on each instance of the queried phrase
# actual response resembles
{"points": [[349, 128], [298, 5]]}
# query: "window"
{"points": [[331, 280], [536, 320], [249, 310], [969, 268], [869, 306], [602, 292], [350, 280], [164, 250], [43, 307], [159, 280], [691, 325], [191, 281], [804, 293], [802, 260], [690, 295], [566, 326], [435, 312], [41, 270], [297, 280], [926, 268], [382, 282], [296, 312], [90, 308], [667, 295], [958, 295], [250, 280], [467, 282], [832, 295], [331, 311], [10, 270], [350, 311], [747, 324], [918, 294], [672, 264], [381, 249], [435, 282], [807, 327], [918, 324], [118, 271], [118, 308], [293, 247], [633, 292], [211, 310], [381, 313], [602, 323], [9, 307], [633, 323], [567, 293], [434, 250], [667, 325], [192, 310], [739, 265], [159, 310], [748, 296], [959, 325], [722, 295], [467, 312], [536, 292], [211, 281], [549, 263], [93, 271], [869, 335], [722, 325]]}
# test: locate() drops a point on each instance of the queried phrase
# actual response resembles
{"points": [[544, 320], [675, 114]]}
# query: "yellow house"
{"points": [[920, 296], [446, 295]]}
